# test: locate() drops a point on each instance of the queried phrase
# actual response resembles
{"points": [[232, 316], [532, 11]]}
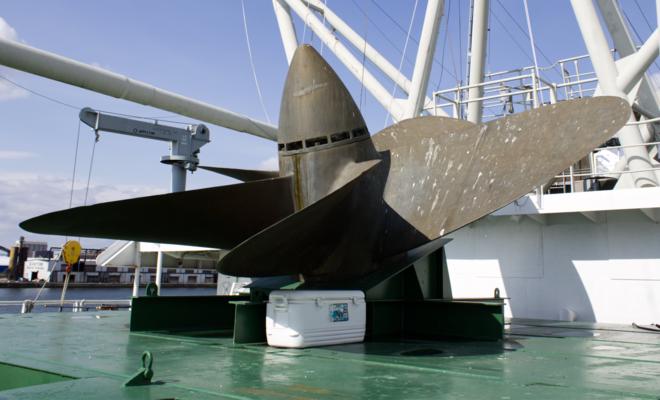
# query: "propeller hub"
{"points": [[317, 109]]}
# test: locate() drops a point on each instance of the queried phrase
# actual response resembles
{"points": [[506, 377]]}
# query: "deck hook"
{"points": [[143, 375]]}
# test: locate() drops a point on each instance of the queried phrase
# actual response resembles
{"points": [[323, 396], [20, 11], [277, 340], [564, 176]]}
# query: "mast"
{"points": [[477, 58], [594, 38]]}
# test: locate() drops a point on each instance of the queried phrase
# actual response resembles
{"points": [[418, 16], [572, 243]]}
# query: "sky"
{"points": [[199, 49]]}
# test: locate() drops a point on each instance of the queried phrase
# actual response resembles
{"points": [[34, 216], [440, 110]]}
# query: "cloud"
{"points": [[26, 195], [15, 155], [9, 91], [7, 31], [270, 164]]}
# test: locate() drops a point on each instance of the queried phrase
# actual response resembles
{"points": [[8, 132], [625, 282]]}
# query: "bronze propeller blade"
{"points": [[219, 217], [309, 239], [443, 177]]}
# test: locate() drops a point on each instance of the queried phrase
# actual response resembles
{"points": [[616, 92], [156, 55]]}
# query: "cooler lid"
{"points": [[312, 295]]}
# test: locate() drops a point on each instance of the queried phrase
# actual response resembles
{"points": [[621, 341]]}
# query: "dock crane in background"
{"points": [[185, 143]]}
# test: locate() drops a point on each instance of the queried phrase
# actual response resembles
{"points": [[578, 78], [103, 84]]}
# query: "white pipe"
{"points": [[287, 29], [345, 56], [640, 63], [364, 47], [49, 65], [617, 27], [601, 58], [159, 268], [646, 121], [625, 46], [425, 51], [477, 58], [136, 276], [645, 94]]}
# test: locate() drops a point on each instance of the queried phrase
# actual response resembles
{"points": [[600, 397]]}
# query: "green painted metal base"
{"points": [[435, 320], [245, 321], [14, 376], [228, 316], [409, 305], [403, 305], [250, 322], [183, 313], [536, 360]]}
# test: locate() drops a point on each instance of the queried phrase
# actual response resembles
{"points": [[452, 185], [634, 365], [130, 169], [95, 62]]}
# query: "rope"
{"points": [[405, 47], [524, 32], [311, 31], [73, 180], [77, 108], [43, 285], [643, 16], [91, 166], [73, 174], [468, 53], [304, 23], [254, 71], [89, 178], [325, 7], [460, 35], [639, 37], [489, 42], [453, 57], [531, 41], [75, 164], [364, 56], [512, 37], [444, 46], [402, 29], [382, 33], [39, 94]]}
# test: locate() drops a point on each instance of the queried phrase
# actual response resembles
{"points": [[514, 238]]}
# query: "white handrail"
{"points": [[77, 305]]}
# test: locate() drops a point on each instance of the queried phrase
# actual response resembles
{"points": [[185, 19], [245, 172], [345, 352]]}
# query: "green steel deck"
{"points": [[537, 360]]}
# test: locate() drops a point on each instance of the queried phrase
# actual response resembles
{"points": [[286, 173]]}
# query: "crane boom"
{"points": [[185, 143]]}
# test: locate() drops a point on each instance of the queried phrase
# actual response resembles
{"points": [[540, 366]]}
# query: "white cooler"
{"points": [[304, 318]]}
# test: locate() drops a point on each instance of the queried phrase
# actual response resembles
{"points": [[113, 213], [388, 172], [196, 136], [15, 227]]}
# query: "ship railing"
{"points": [[27, 306], [581, 179], [510, 95], [511, 91], [503, 93]]}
